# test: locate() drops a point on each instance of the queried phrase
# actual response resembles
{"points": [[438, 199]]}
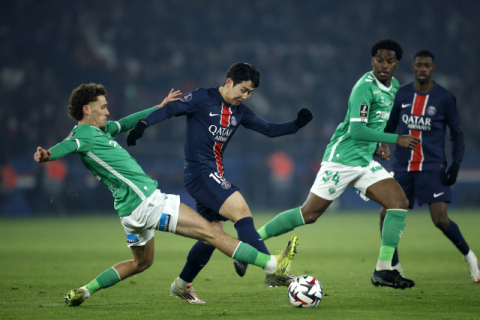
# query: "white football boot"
{"points": [[188, 294], [473, 267]]}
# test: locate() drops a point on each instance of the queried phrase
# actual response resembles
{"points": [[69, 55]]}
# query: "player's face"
{"points": [[97, 112], [384, 64], [423, 68], [235, 95]]}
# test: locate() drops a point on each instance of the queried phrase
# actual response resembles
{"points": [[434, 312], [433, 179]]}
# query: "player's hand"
{"points": [[452, 174], [172, 96], [136, 133], [383, 151], [408, 141], [304, 116], [42, 155]]}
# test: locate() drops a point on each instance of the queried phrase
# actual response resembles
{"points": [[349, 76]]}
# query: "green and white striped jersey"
{"points": [[109, 162], [370, 102]]}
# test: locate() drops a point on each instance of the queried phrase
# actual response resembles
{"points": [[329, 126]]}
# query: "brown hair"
{"points": [[82, 95]]}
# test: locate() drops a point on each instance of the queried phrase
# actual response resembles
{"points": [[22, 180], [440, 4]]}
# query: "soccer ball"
{"points": [[305, 292]]}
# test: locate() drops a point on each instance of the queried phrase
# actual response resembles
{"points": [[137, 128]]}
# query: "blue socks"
{"points": [[197, 258], [453, 233], [247, 233], [200, 253]]}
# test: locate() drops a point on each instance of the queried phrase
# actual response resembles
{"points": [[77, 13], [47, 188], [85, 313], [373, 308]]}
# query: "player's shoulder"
{"points": [[366, 82], [439, 89], [406, 89], [197, 95], [83, 131]]}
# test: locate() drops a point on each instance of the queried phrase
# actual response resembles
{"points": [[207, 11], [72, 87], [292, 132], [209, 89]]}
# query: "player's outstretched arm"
{"points": [[172, 96], [304, 116], [158, 115], [42, 155], [130, 121], [408, 141]]}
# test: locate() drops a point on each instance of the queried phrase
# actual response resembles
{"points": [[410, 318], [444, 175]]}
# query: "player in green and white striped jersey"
{"points": [[348, 162], [141, 206]]}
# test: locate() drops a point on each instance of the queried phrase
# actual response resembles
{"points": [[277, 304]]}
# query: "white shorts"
{"points": [[158, 212], [333, 178]]}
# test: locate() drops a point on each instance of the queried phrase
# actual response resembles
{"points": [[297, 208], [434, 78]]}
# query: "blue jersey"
{"points": [[211, 123], [426, 116]]}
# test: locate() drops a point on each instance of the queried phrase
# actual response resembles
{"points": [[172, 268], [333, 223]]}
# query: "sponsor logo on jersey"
{"points": [[70, 135], [220, 133], [417, 122], [233, 121], [131, 238], [186, 97], [363, 110], [406, 105], [431, 111], [226, 185], [375, 169], [164, 222], [382, 114]]}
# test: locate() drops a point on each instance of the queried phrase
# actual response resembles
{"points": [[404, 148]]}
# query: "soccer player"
{"points": [[424, 108], [348, 162], [213, 116], [141, 206]]}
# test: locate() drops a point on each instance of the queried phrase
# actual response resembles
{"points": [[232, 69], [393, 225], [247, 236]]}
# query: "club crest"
{"points": [[186, 97]]}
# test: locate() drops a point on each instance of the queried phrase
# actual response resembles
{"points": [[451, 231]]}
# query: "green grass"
{"points": [[42, 259]]}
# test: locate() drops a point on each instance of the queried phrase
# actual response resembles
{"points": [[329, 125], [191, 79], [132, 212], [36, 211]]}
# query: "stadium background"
{"points": [[309, 53]]}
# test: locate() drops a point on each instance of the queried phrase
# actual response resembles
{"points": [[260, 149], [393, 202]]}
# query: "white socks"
{"points": [[86, 295], [182, 283], [271, 265], [383, 265]]}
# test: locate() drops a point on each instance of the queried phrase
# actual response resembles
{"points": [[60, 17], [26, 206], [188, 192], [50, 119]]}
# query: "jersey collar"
{"points": [[381, 85]]}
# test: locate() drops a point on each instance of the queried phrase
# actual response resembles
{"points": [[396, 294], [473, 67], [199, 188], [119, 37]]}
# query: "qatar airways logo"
{"points": [[221, 134], [417, 122]]}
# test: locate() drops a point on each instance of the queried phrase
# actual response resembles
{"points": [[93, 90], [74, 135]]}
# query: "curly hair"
{"points": [[241, 71], [388, 44], [82, 95]]}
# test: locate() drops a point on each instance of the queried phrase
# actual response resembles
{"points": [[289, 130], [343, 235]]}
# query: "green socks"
{"points": [[107, 279], [247, 253], [392, 232], [282, 223]]}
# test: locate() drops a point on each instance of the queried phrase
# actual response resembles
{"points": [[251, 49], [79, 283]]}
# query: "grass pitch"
{"points": [[42, 259]]}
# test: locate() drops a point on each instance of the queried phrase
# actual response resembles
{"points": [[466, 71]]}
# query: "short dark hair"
{"points": [[82, 95], [241, 71], [424, 53], [388, 44]]}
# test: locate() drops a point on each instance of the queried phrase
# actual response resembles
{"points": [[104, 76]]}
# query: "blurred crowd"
{"points": [[309, 53]]}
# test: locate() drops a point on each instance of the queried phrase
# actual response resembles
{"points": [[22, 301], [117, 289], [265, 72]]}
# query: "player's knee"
{"points": [[144, 264], [310, 216], [210, 233], [441, 223], [400, 202]]}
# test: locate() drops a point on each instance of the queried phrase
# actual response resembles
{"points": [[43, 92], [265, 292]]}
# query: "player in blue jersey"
{"points": [[424, 108], [142, 208], [213, 116]]}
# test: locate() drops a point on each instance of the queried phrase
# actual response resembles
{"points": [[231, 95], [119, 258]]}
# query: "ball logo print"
{"points": [[305, 292]]}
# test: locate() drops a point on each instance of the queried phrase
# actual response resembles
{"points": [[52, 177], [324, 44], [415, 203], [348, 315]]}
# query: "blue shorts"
{"points": [[210, 190], [424, 186]]}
